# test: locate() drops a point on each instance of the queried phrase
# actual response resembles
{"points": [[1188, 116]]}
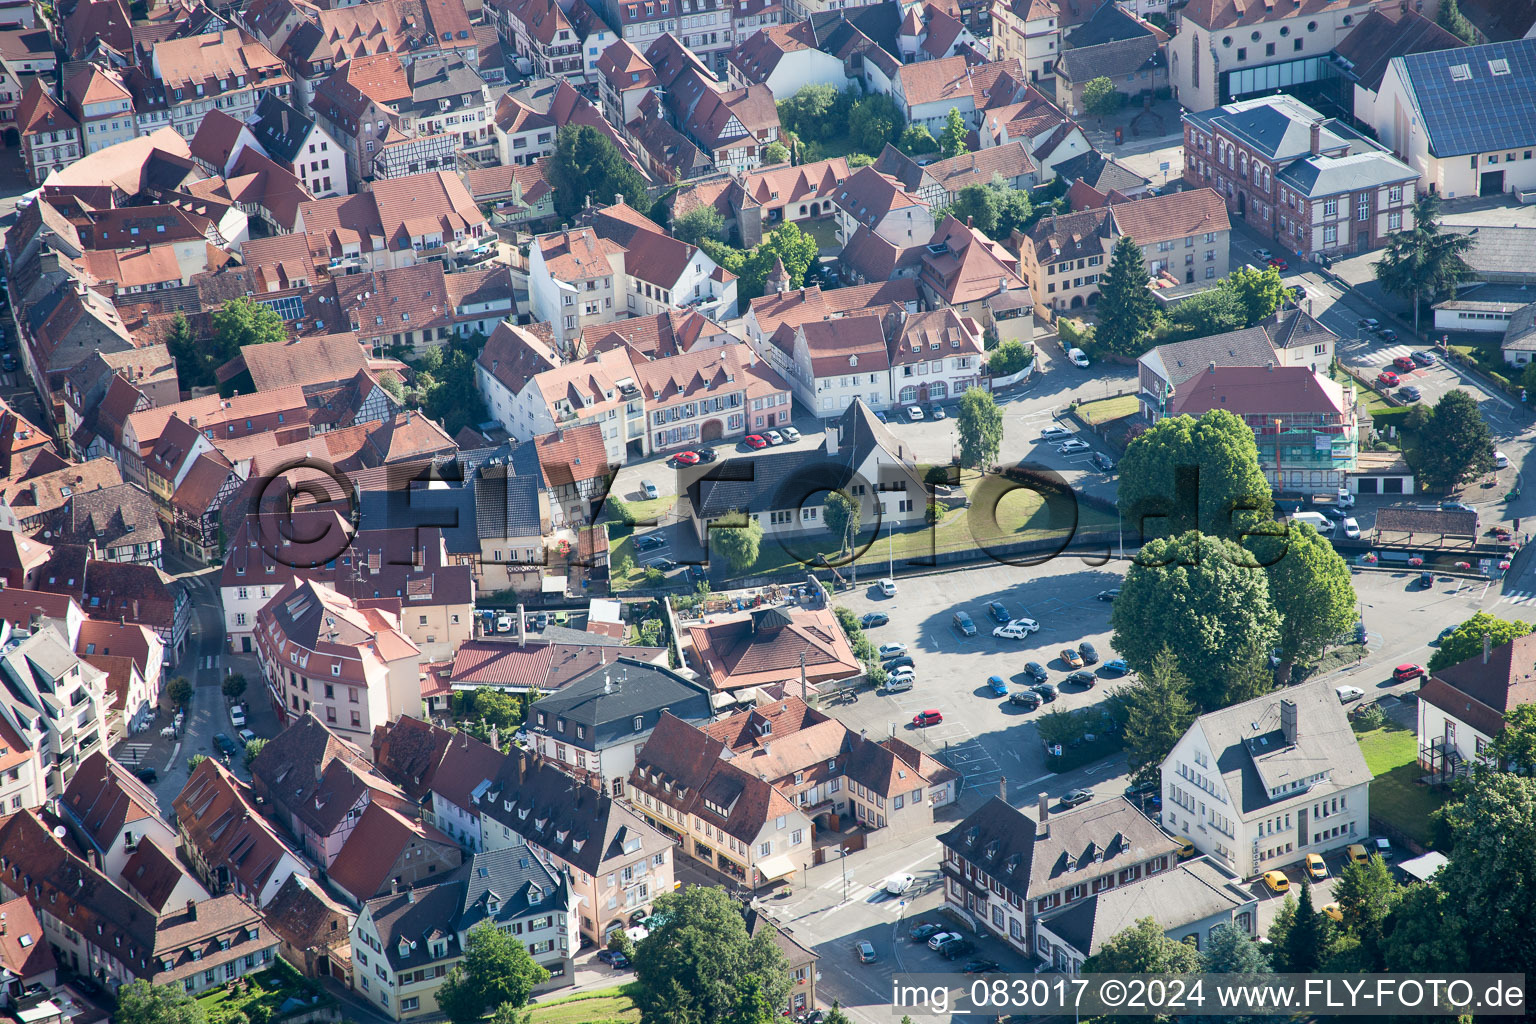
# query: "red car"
{"points": [[1403, 673], [929, 717], [1405, 363], [1386, 378], [686, 458], [1279, 263], [756, 441]]}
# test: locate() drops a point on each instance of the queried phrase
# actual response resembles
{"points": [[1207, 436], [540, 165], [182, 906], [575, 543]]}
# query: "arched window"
{"points": [[908, 394], [938, 391]]}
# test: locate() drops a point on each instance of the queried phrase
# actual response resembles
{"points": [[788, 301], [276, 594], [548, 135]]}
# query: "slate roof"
{"points": [[609, 697], [1181, 361], [1520, 333], [516, 881], [1252, 755], [1279, 127], [507, 496], [1072, 848], [103, 797], [280, 128], [1117, 59], [311, 773], [1190, 893], [1317, 176]]}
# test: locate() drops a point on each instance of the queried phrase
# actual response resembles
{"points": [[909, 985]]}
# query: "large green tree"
{"points": [[698, 963], [1142, 948], [139, 1002], [1193, 595], [1450, 18], [1491, 877], [1310, 585], [815, 113], [1366, 894], [1232, 951], [587, 163], [1126, 308], [699, 223], [977, 207], [1009, 358], [1213, 311], [1514, 749], [952, 138], [917, 140], [873, 121], [1423, 262], [1260, 291], [1101, 99], [495, 971], [1466, 640], [1250, 675], [1429, 930], [739, 544], [980, 426], [841, 514], [1157, 713], [1308, 939], [1186, 474], [1457, 443]]}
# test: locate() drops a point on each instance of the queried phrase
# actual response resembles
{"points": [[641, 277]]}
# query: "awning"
{"points": [[775, 868]]}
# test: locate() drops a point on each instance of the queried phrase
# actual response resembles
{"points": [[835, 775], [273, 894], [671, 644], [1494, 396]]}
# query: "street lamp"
{"points": [[842, 858]]}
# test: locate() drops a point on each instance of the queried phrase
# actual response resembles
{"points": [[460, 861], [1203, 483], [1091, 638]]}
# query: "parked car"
{"points": [[1141, 791], [935, 941], [755, 441], [1348, 693], [8, 362], [1076, 797], [1082, 677], [1357, 854], [964, 624], [1405, 363], [1263, 255], [1298, 293], [237, 716], [686, 458], [1018, 629], [650, 490], [1035, 670], [773, 437], [1078, 357], [1103, 462], [896, 663], [873, 619], [1276, 882], [1500, 460], [998, 612], [614, 958], [225, 745], [1427, 580], [1334, 913], [1387, 379], [1335, 513], [1425, 358], [649, 542], [1351, 528], [1073, 446], [1047, 691], [897, 885], [1369, 323], [997, 686], [892, 650], [1382, 847], [148, 775], [1317, 870], [503, 623], [888, 587], [1071, 657], [1115, 665], [914, 413], [789, 434], [663, 564], [1409, 393], [1089, 653], [1109, 595], [1278, 262], [981, 967], [866, 951], [707, 455], [1026, 699], [1387, 334], [1054, 431], [926, 718], [899, 682], [246, 737], [1186, 847], [924, 930], [957, 948], [936, 411]]}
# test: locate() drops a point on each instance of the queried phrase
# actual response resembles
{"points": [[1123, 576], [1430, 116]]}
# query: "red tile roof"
{"points": [[377, 843]]}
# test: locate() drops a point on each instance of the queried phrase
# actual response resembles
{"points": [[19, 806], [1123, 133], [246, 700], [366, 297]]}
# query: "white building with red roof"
{"points": [[785, 58], [347, 662], [50, 134], [878, 202]]}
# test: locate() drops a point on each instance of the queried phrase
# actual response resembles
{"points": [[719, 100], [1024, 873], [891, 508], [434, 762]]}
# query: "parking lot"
{"points": [[983, 736]]}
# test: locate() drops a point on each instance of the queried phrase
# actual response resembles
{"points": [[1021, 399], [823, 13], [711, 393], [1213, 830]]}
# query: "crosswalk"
{"points": [[1519, 597]]}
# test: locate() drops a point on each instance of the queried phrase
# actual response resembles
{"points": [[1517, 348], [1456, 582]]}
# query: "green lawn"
{"points": [[647, 513], [271, 987], [824, 230], [1391, 753], [1103, 410], [605, 1006]]}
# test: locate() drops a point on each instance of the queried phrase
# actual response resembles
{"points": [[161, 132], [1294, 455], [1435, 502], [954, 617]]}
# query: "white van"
{"points": [[1316, 520]]}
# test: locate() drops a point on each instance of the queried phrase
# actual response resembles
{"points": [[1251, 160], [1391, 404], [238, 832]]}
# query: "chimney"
{"points": [[2, 924], [1270, 366], [1487, 647], [522, 628], [192, 909], [831, 440], [618, 199], [318, 771], [1288, 720], [410, 895], [1317, 137], [1044, 814], [1002, 788]]}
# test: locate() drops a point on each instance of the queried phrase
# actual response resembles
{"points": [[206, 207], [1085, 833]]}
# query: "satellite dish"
{"points": [[58, 832]]}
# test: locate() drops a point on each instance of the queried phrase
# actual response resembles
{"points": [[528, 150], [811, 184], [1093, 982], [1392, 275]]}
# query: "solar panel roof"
{"points": [[1468, 103]]}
